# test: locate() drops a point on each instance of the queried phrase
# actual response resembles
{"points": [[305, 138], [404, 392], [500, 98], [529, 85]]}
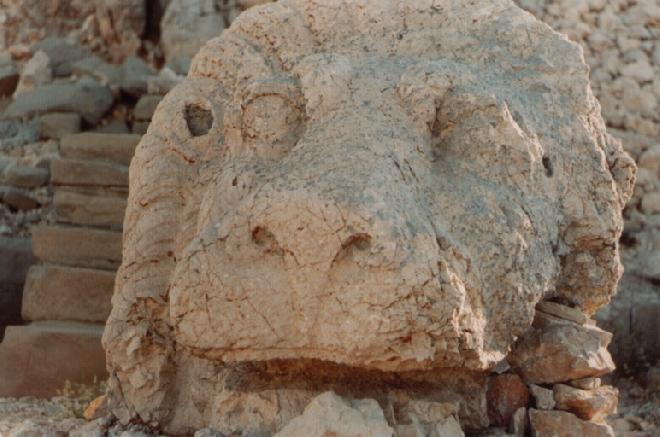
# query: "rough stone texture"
{"points": [[420, 174], [562, 424], [36, 359], [506, 394], [86, 97], [118, 148], [65, 293], [81, 209], [595, 404], [24, 176], [81, 247], [544, 398], [36, 72], [58, 125], [329, 414], [121, 24], [77, 172], [556, 350]]}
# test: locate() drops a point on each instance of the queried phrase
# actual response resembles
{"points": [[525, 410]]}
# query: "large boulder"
{"points": [[381, 187]]}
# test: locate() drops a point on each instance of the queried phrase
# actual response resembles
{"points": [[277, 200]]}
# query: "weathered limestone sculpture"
{"points": [[365, 197]]}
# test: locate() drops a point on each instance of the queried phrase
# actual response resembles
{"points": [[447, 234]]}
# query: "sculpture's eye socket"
{"points": [[272, 118]]}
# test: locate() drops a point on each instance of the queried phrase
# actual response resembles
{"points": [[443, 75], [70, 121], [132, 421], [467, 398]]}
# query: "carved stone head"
{"points": [[390, 185]]}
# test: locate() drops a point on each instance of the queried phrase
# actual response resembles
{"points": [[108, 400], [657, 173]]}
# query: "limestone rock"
{"points": [[18, 199], [78, 247], [135, 76], [86, 97], [36, 72], [586, 383], [506, 394], [90, 210], [76, 172], [61, 54], [398, 169], [58, 125], [63, 293], [518, 424], [559, 423], [24, 176], [595, 404], [557, 351], [329, 414], [118, 148], [544, 398], [563, 312]]}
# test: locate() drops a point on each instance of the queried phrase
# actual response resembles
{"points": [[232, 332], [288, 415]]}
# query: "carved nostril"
{"points": [[199, 119], [266, 240]]}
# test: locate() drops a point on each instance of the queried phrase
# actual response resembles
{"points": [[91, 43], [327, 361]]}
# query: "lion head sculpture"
{"points": [[387, 185]]}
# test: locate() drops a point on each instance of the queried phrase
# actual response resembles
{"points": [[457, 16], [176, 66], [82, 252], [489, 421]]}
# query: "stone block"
{"points": [[18, 199], [37, 359], [78, 247], [140, 127], [117, 148], [57, 125], [66, 293], [77, 172], [24, 176], [86, 97], [81, 209]]}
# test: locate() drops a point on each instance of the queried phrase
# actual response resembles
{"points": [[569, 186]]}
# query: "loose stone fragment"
{"points": [[556, 351], [329, 414], [559, 423], [506, 394], [593, 404], [544, 398]]}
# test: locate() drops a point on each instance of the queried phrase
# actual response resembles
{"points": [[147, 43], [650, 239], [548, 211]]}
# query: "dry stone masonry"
{"points": [[400, 213]]}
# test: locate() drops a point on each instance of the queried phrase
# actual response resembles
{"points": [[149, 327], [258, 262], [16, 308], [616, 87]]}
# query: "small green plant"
{"points": [[75, 398]]}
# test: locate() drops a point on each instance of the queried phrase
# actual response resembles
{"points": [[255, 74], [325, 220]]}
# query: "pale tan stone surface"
{"points": [[558, 350], [562, 424], [118, 148], [375, 187], [81, 209], [76, 172], [329, 414], [36, 359], [65, 293], [78, 247], [595, 404]]}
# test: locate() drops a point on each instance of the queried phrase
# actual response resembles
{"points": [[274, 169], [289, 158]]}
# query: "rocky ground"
{"points": [[638, 415]]}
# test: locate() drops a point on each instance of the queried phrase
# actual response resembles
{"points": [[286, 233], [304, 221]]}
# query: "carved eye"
{"points": [[272, 118]]}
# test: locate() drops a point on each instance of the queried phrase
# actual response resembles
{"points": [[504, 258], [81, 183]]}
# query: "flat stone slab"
{"points": [[86, 97], [37, 359], [68, 294], [95, 173], [82, 209], [78, 247], [117, 148]]}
